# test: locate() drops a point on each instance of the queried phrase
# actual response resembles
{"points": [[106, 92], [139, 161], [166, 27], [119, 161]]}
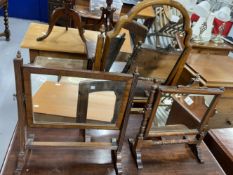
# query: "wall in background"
{"points": [[29, 9]]}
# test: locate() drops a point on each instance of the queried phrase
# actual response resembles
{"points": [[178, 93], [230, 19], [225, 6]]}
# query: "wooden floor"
{"points": [[166, 159]]}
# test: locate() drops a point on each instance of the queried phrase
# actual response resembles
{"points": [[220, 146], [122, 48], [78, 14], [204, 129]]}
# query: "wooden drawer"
{"points": [[220, 143], [211, 51], [224, 114], [228, 93]]}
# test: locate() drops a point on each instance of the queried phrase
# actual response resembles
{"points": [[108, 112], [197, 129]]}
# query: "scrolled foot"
{"points": [[116, 156], [136, 154], [20, 163], [196, 149]]}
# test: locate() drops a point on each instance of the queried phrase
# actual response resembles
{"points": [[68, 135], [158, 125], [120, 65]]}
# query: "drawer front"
{"points": [[224, 114], [221, 120], [228, 93], [211, 51]]}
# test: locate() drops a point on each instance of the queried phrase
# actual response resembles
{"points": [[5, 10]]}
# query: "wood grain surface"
{"points": [[216, 70], [61, 40], [163, 159], [61, 99], [220, 142]]}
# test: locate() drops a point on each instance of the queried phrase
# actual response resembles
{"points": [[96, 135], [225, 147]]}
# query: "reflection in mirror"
{"points": [[153, 43], [75, 100], [180, 112], [156, 43]]}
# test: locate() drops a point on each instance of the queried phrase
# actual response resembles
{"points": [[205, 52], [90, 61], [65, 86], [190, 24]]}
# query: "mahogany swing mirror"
{"points": [[156, 49], [158, 54], [65, 98], [168, 117]]}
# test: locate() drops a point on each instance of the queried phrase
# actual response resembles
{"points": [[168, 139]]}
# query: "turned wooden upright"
{"points": [[6, 33]]}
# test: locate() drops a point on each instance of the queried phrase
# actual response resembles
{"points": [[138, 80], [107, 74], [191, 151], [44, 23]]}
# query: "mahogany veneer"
{"points": [[220, 142], [165, 159]]}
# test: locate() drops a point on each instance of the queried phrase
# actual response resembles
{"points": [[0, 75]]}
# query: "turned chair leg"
{"points": [[7, 31]]}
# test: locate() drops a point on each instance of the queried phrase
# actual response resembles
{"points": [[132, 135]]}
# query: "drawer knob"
{"points": [[229, 122]]}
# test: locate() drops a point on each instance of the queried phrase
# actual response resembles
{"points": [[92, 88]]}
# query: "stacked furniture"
{"points": [[81, 85]]}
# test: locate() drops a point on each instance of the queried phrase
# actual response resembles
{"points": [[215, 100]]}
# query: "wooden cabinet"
{"points": [[212, 48], [214, 71]]}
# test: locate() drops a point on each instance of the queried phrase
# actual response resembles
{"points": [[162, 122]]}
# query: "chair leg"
{"points": [[7, 31]]}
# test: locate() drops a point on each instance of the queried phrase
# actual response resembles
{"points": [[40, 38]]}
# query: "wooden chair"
{"points": [[4, 5], [157, 128], [167, 23], [26, 105]]}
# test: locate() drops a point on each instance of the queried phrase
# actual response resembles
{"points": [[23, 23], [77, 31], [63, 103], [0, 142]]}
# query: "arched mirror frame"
{"points": [[177, 70]]}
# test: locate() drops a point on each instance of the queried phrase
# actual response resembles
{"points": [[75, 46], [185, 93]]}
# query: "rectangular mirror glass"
{"points": [[75, 100], [180, 112]]}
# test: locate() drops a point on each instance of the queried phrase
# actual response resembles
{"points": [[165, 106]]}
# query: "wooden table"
{"points": [[90, 19], [58, 102], [82, 7], [212, 48], [84, 11], [220, 142], [215, 71], [62, 43], [209, 47], [163, 159]]}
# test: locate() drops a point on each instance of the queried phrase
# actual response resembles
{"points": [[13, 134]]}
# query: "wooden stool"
{"points": [[6, 33]]}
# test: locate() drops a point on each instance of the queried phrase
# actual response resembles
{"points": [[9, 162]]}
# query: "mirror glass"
{"points": [[75, 100], [155, 42], [178, 112]]}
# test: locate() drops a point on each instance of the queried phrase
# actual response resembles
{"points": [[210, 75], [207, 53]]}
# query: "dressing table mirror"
{"points": [[55, 98], [158, 53], [160, 125]]}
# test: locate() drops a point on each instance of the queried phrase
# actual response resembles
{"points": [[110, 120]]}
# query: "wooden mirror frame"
{"points": [[25, 113], [144, 139], [30, 69], [177, 70]]}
